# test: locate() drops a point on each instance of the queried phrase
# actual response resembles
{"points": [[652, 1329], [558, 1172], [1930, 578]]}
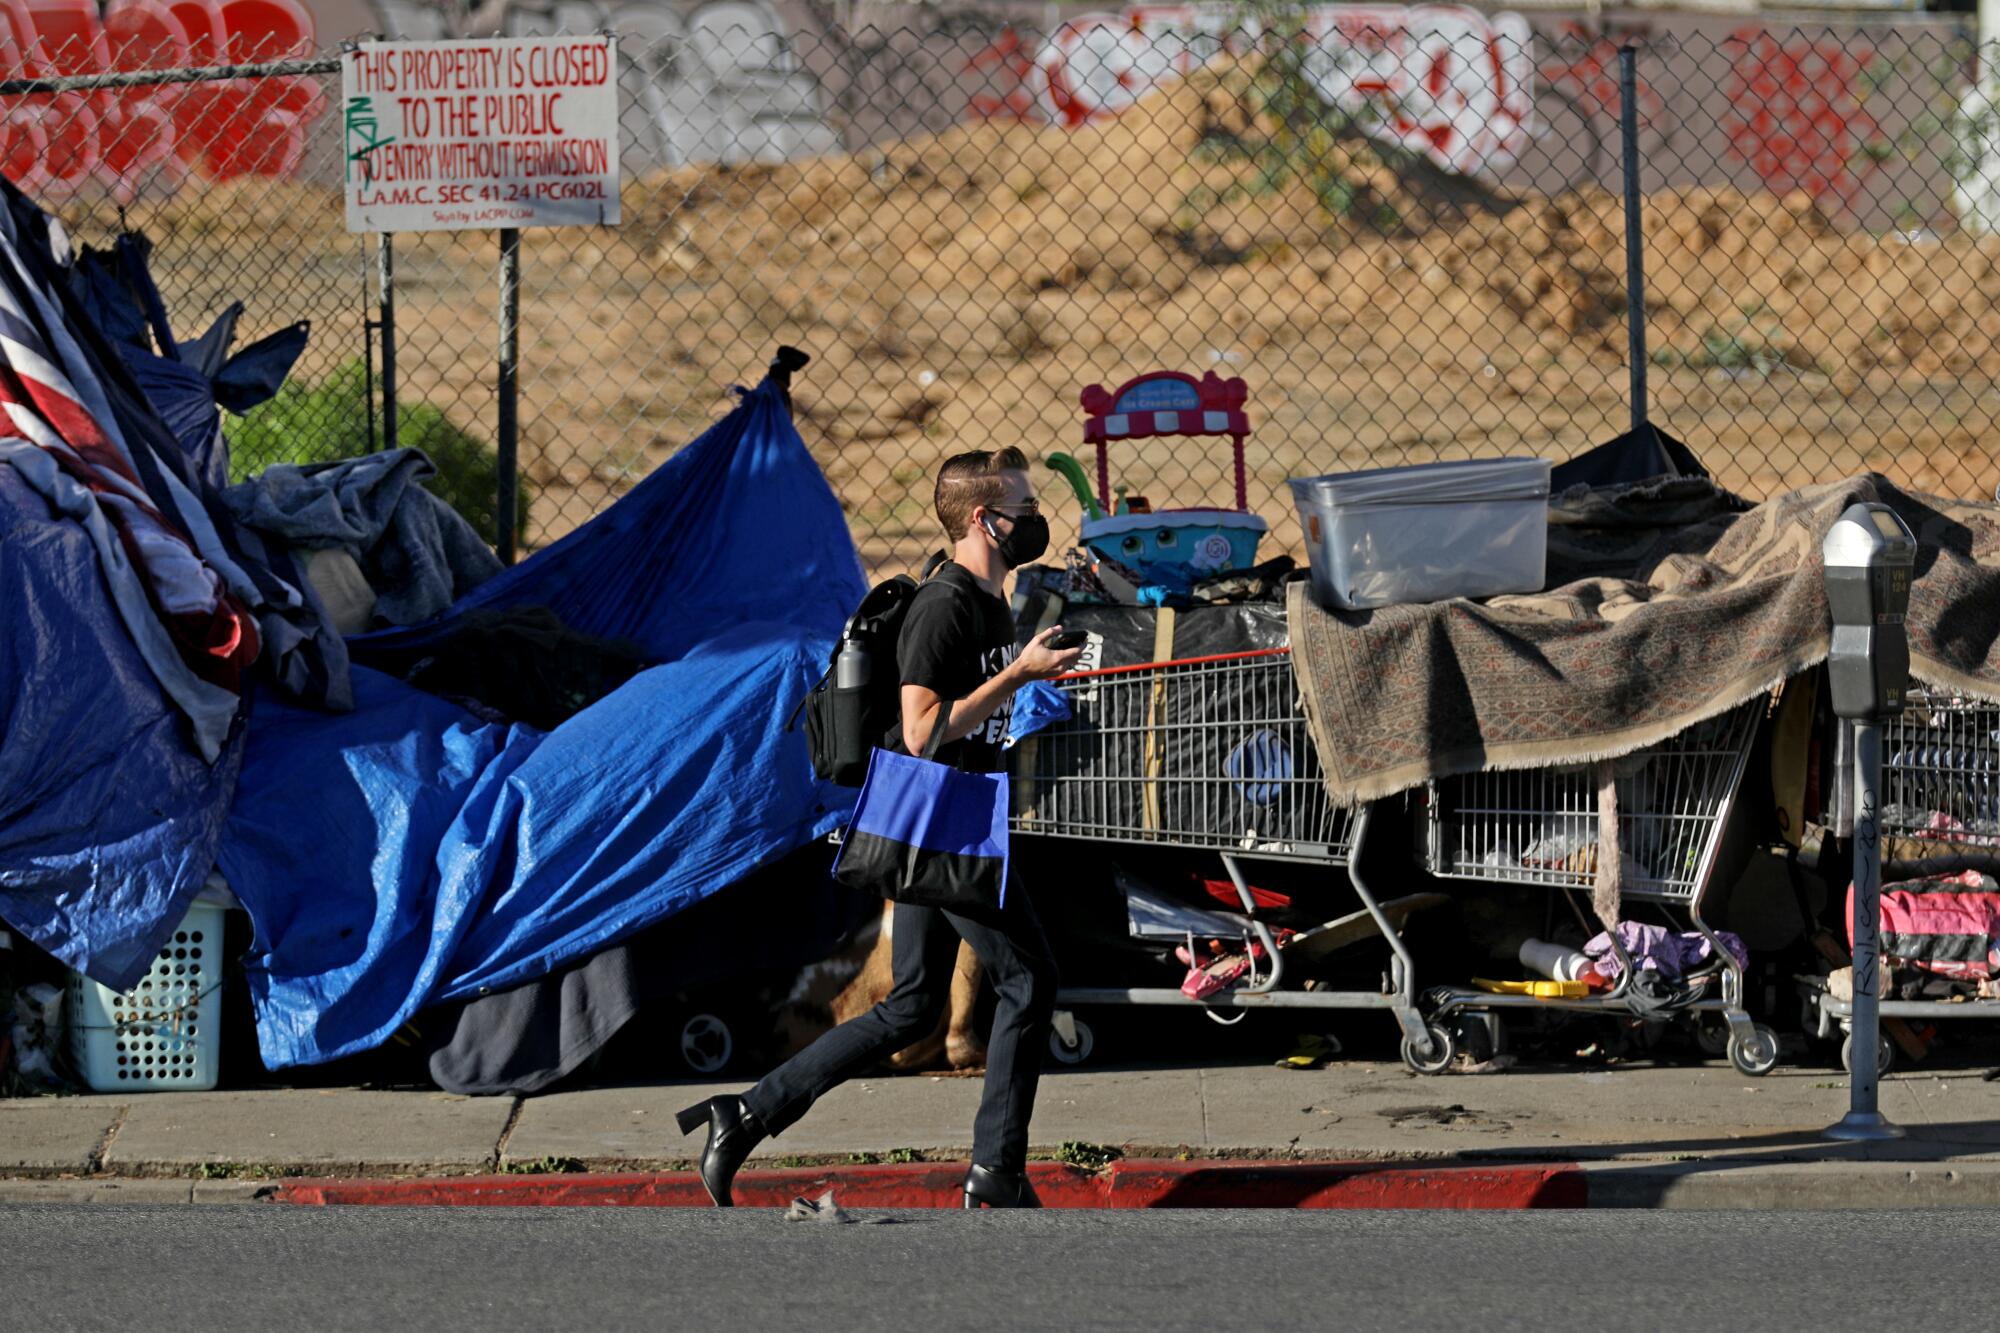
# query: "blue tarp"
{"points": [[109, 820], [407, 853]]}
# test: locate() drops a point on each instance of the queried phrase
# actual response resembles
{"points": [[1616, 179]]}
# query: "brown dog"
{"points": [[855, 980]]}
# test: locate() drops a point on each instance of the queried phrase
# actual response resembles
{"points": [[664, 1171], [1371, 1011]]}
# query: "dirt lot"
{"points": [[960, 291]]}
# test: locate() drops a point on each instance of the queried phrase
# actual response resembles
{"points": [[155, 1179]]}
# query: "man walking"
{"points": [[956, 647]]}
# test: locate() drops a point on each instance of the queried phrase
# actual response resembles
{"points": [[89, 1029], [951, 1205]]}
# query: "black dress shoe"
{"points": [[999, 1189], [733, 1130]]}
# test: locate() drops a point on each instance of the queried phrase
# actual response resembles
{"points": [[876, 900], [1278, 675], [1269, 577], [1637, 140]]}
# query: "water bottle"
{"points": [[1552, 960], [852, 746], [851, 666]]}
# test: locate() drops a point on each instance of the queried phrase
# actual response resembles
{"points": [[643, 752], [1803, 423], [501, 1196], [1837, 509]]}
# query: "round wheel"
{"points": [[1885, 1054], [1711, 1036], [1086, 1041], [1481, 1036], [707, 1045], [1444, 1048], [1756, 1056]]}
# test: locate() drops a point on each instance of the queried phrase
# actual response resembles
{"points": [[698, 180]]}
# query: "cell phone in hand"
{"points": [[1068, 639]]}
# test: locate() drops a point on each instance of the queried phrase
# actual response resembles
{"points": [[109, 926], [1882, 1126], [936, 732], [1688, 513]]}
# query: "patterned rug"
{"points": [[1669, 603]]}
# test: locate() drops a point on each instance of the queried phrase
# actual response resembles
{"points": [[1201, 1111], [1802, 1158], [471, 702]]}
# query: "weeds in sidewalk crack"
{"points": [[542, 1166], [1089, 1156], [95, 1162], [498, 1158]]}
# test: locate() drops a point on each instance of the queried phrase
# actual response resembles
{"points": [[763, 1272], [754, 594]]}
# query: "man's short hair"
{"points": [[967, 481]]}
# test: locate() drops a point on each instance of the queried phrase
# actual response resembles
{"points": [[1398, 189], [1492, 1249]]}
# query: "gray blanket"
{"points": [[415, 550]]}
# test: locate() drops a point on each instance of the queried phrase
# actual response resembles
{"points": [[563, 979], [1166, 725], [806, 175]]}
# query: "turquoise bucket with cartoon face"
{"points": [[1196, 543]]}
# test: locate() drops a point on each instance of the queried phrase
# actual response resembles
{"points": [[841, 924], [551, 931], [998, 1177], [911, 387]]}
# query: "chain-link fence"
{"points": [[1408, 242]]}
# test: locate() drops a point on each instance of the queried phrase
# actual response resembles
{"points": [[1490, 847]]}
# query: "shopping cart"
{"points": [[1941, 778], [1209, 754], [1540, 827], [1940, 813]]}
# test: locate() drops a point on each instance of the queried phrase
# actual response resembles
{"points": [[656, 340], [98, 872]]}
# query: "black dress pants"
{"points": [[924, 952]]}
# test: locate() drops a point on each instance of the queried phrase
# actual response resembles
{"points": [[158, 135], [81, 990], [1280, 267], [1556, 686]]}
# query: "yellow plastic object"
{"points": [[1541, 990]]}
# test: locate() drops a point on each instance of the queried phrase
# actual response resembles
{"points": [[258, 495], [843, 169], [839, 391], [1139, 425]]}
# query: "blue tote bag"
{"points": [[926, 833]]}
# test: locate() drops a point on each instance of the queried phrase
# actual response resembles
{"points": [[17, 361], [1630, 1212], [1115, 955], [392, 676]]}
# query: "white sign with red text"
{"points": [[509, 132]]}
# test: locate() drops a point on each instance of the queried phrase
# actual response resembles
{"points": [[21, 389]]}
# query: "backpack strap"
{"points": [[792, 721], [931, 565], [938, 729]]}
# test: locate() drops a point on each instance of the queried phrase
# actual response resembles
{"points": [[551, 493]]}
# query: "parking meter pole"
{"points": [[1864, 1118], [1843, 781], [1869, 555]]}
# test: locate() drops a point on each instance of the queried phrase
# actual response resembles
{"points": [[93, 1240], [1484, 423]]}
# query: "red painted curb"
{"points": [[1343, 1185], [1138, 1184]]}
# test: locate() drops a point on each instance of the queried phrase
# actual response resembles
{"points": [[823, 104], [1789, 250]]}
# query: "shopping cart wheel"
{"points": [[1481, 1036], [707, 1045], [1885, 1054], [1444, 1049], [1711, 1036], [1758, 1055], [1067, 1054]]}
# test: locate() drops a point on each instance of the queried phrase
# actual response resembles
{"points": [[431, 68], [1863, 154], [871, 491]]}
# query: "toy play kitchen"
{"points": [[1168, 548]]}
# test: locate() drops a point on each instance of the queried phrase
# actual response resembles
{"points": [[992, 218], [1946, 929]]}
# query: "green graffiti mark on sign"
{"points": [[362, 125]]}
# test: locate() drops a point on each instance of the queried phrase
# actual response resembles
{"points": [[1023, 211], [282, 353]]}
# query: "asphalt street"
{"points": [[270, 1267]]}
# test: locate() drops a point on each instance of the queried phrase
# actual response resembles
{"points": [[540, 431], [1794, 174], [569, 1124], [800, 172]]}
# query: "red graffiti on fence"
{"points": [[1795, 116], [122, 137], [1003, 74], [1449, 82]]}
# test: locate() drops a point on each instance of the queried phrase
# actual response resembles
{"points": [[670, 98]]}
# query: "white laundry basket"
{"points": [[164, 1034]]}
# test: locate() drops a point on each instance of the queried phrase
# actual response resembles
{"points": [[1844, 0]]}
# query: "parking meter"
{"points": [[1869, 554]]}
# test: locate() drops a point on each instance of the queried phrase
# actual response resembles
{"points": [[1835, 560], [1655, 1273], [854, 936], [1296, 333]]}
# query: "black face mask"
{"points": [[1026, 539]]}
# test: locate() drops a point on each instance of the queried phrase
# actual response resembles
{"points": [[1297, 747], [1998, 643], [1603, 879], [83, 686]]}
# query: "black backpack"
{"points": [[859, 701]]}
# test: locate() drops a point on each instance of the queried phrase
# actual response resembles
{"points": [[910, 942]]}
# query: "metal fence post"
{"points": [[367, 356], [1635, 244], [509, 386], [385, 253]]}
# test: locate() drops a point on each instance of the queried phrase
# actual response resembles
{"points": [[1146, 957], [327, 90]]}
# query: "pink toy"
{"points": [[1166, 402]]}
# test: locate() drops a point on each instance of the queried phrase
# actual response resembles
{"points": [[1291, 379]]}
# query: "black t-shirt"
{"points": [[956, 637]]}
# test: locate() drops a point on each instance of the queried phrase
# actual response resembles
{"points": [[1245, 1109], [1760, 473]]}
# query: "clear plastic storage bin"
{"points": [[165, 1033], [1422, 534]]}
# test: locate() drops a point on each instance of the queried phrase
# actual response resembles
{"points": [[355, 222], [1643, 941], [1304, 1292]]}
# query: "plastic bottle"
{"points": [[1554, 961]]}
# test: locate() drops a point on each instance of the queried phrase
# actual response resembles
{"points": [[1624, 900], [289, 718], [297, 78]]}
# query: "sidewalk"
{"points": [[1690, 1137]]}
